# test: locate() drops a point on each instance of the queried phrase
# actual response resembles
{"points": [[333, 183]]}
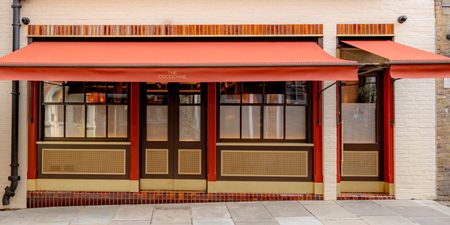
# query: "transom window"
{"points": [[263, 111], [85, 109]]}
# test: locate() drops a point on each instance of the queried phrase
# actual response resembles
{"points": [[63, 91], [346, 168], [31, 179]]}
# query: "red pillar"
{"points": [[134, 132], [33, 107], [338, 134], [317, 131], [211, 132], [388, 128]]}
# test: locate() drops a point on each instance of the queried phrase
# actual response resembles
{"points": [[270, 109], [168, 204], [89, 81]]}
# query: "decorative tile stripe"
{"points": [[36, 199], [365, 196], [365, 29], [175, 30]]}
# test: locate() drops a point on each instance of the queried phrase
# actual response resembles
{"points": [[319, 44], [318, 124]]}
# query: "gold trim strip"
{"points": [[80, 143], [265, 144]]}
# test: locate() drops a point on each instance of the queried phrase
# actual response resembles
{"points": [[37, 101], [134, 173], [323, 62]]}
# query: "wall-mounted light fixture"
{"points": [[402, 19]]}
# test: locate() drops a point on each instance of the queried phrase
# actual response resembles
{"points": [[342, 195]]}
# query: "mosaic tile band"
{"points": [[175, 30], [365, 29]]}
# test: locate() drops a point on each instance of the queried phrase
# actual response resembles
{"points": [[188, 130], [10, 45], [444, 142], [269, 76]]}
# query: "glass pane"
{"points": [[229, 121], [190, 123], [252, 92], [54, 121], [74, 91], [157, 93], [157, 123], [274, 92], [96, 121], [295, 122], [251, 122], [75, 121], [190, 87], [273, 122], [190, 99], [95, 92], [359, 111], [157, 99], [296, 93], [230, 92], [117, 121], [117, 93], [53, 91]]}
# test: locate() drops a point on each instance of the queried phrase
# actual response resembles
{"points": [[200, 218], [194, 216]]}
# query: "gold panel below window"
{"points": [[156, 161], [84, 161], [360, 164], [190, 161], [264, 163]]}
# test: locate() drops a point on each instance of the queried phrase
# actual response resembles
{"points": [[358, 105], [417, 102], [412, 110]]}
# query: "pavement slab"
{"points": [[206, 211], [365, 208], [298, 221], [329, 211], [286, 209], [387, 220], [134, 212], [431, 221], [249, 212], [129, 222], [171, 216], [215, 221], [416, 211], [344, 222], [95, 215]]}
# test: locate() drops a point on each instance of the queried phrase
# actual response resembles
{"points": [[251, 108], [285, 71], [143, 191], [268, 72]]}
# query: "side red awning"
{"points": [[174, 62], [406, 61]]}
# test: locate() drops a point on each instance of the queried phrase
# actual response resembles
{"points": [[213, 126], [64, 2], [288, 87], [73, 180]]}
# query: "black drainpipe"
{"points": [[14, 178]]}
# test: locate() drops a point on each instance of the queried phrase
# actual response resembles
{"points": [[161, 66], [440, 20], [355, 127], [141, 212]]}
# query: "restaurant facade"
{"points": [[157, 102]]}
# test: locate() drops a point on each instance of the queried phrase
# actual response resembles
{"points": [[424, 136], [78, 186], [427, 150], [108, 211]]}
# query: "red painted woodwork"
{"points": [[33, 106], [317, 131], [338, 134], [134, 132], [211, 132], [388, 127]]}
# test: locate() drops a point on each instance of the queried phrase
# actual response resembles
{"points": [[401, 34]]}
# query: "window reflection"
{"points": [[53, 91], [230, 92]]}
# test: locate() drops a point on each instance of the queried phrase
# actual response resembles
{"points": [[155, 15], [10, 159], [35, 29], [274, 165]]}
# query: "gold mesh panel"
{"points": [[190, 161], [84, 161], [360, 164], [265, 163], [157, 161], [360, 56]]}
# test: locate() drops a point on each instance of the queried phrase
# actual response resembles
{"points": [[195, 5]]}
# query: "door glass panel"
{"points": [[251, 122], [54, 121], [359, 111], [96, 121], [229, 121], [273, 122], [190, 99], [190, 123], [295, 122], [157, 123]]}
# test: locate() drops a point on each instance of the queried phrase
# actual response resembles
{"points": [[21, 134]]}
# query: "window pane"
{"points": [[53, 91], [252, 92], [74, 91], [54, 121], [273, 122], [96, 121], [75, 122], [117, 121], [190, 123], [296, 93], [117, 93], [190, 87], [190, 99], [229, 121], [251, 122], [295, 122], [95, 92], [157, 123], [157, 99], [359, 111], [274, 92], [157, 93], [230, 92]]}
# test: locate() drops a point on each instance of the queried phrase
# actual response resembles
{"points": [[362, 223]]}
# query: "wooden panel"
{"points": [[157, 161], [360, 163], [175, 30], [365, 29]]}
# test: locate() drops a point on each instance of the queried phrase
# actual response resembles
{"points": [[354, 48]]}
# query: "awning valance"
{"points": [[406, 61], [174, 62]]}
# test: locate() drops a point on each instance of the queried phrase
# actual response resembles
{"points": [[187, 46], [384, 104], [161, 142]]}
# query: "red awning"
{"points": [[406, 61], [174, 62]]}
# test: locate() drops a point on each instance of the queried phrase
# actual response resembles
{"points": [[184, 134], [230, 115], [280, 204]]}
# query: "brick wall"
{"points": [[443, 104], [415, 99]]}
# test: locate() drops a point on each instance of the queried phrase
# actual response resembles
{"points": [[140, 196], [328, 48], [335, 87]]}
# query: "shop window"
{"points": [[85, 110], [263, 111]]}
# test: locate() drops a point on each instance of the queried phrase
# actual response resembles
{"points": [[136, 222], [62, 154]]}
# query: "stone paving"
{"points": [[383, 212]]}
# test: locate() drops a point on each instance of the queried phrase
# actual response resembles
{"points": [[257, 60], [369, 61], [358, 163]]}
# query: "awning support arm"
{"points": [[320, 92]]}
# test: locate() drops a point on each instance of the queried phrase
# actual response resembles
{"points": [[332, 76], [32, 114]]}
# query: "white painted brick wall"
{"points": [[413, 104]]}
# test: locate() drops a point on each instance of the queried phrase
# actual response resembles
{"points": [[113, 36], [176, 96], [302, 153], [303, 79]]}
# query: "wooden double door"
{"points": [[173, 135]]}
